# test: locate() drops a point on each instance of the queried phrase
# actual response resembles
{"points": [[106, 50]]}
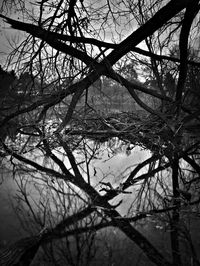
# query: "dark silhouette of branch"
{"points": [[162, 16], [130, 87], [157, 21], [190, 14], [192, 163], [46, 36], [174, 221]]}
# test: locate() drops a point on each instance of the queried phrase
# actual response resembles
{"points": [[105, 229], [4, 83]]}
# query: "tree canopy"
{"points": [[84, 80]]}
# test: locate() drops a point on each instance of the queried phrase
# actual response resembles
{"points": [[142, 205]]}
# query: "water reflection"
{"points": [[9, 224], [52, 199], [111, 163]]}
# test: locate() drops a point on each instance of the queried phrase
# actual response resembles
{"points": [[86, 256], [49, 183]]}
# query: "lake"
{"points": [[107, 168], [111, 165]]}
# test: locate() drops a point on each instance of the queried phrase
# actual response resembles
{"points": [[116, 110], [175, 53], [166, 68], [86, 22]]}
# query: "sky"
{"points": [[9, 36]]}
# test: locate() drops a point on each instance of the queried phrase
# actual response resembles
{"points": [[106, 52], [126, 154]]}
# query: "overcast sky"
{"points": [[9, 36]]}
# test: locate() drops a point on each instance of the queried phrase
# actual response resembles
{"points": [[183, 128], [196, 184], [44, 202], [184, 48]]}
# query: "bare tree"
{"points": [[74, 56]]}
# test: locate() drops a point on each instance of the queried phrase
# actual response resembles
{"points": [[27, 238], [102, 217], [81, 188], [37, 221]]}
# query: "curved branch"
{"points": [[92, 41], [37, 166], [131, 87], [194, 165], [136, 86], [153, 24], [49, 38]]}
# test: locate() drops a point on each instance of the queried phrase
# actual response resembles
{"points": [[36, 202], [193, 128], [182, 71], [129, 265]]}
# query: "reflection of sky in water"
{"points": [[115, 169], [119, 167], [8, 221], [107, 168]]}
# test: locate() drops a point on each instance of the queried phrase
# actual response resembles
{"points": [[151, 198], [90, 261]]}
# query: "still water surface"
{"points": [[107, 168]]}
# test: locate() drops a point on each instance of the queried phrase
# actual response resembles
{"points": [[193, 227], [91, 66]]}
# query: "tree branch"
{"points": [[190, 14]]}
